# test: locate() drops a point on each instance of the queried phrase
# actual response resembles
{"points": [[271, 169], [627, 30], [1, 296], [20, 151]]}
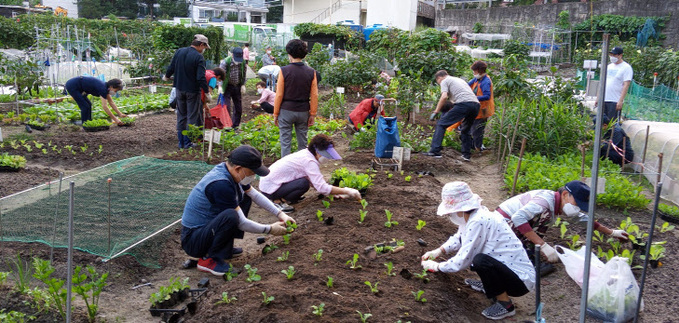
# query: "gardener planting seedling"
{"points": [[216, 211], [486, 245], [530, 215], [367, 112], [79, 87], [292, 175]]}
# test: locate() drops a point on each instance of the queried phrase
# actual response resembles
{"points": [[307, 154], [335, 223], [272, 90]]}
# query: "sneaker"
{"points": [[433, 155], [466, 158], [190, 263], [498, 312], [209, 265], [236, 252], [475, 284], [285, 207]]}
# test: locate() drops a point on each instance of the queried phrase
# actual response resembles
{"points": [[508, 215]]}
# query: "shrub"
{"points": [[515, 47], [357, 71]]}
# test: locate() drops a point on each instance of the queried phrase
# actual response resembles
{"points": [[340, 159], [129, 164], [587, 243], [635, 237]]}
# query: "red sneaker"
{"points": [[209, 265]]}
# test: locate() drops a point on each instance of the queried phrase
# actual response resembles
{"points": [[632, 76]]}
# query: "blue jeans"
{"points": [[465, 111]]}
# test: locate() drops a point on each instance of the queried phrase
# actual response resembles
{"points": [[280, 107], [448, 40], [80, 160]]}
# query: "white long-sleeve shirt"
{"points": [[487, 232]]}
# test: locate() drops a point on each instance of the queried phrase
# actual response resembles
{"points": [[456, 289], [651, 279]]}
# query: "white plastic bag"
{"points": [[613, 297], [574, 261]]}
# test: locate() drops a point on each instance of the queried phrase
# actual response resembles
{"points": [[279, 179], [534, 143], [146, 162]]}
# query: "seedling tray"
{"points": [[36, 127], [9, 169], [96, 129], [191, 307], [668, 218]]}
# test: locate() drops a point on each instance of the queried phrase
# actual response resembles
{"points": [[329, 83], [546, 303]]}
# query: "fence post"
{"points": [[69, 260], [643, 154], [518, 165]]}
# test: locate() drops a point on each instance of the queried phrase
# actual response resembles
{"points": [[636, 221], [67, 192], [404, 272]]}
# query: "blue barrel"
{"points": [[369, 30]]}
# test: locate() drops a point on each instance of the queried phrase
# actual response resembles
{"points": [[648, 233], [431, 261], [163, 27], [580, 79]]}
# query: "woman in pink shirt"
{"points": [[266, 101], [291, 176]]}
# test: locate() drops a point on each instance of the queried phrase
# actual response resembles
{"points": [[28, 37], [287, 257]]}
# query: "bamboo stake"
{"points": [[582, 164], [643, 155], [624, 142], [660, 155], [518, 166]]}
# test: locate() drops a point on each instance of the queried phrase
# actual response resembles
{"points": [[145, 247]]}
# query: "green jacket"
{"points": [[226, 65]]}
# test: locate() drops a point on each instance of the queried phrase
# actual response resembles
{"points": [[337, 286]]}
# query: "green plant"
{"points": [[289, 273], [418, 296], [318, 310], [364, 317], [14, 317], [373, 288], [390, 175], [422, 276], [84, 148], [330, 282], [128, 120], [290, 226], [3, 277], [22, 274], [353, 262], [669, 209], [420, 224], [12, 161], [319, 215], [96, 123], [318, 255], [269, 248], [657, 252], [575, 242], [364, 203], [563, 229], [230, 274], [286, 239], [267, 299], [389, 222], [390, 267], [326, 204], [226, 299], [361, 216], [407, 178], [666, 227], [89, 286], [284, 256], [252, 274], [58, 294]]}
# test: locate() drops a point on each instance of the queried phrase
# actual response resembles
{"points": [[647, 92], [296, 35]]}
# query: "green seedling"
{"points": [[657, 251], [226, 299], [666, 227], [28, 148], [598, 236], [364, 317], [422, 276], [331, 198], [318, 310], [84, 148], [575, 242], [407, 178], [57, 292], [420, 224], [252, 274], [319, 215], [37, 144], [329, 283], [418, 296], [364, 203], [284, 256], [326, 204], [231, 274], [290, 226], [353, 262], [318, 256], [286, 239], [100, 150], [402, 172], [89, 287], [44, 151], [361, 215], [267, 299], [563, 230], [390, 267], [269, 248], [389, 222], [3, 277], [22, 274], [373, 288], [390, 175], [290, 272]]}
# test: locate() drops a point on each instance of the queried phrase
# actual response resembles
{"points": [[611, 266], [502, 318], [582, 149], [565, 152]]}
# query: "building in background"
{"points": [[70, 5], [251, 11]]}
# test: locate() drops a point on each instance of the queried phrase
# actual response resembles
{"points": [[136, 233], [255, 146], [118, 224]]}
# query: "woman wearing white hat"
{"points": [[485, 244]]}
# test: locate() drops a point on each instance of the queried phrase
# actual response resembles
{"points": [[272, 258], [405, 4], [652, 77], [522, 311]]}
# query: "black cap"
{"points": [[237, 54], [248, 157], [580, 192], [616, 51]]}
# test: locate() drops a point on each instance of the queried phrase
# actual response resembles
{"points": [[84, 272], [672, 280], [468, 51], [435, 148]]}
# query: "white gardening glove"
{"points": [[620, 235], [165, 78], [278, 228], [285, 218], [353, 193], [430, 265], [208, 97], [363, 129], [549, 252], [430, 255]]}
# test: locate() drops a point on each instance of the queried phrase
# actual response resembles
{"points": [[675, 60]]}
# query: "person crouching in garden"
{"points": [[266, 101], [485, 244], [213, 77], [216, 211], [366, 111], [292, 175], [80, 86]]}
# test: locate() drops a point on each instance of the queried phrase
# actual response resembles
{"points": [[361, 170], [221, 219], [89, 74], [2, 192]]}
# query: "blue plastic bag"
{"points": [[387, 137]]}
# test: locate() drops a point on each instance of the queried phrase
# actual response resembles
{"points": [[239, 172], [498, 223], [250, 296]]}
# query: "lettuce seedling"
{"points": [[284, 256], [353, 262], [390, 267], [226, 299], [420, 224], [290, 272], [418, 296], [252, 274], [389, 222], [319, 215], [373, 288], [267, 299], [318, 310], [329, 283]]}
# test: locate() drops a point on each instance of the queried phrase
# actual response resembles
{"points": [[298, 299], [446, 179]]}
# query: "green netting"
{"points": [[652, 104], [146, 195]]}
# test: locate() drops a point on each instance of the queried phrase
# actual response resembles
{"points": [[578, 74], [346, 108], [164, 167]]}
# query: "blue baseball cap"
{"points": [[580, 192]]}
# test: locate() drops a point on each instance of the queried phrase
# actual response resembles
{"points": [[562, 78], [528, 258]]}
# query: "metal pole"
{"points": [[582, 164], [643, 155], [69, 260], [624, 142], [595, 176], [141, 241], [537, 284], [56, 210], [518, 165]]}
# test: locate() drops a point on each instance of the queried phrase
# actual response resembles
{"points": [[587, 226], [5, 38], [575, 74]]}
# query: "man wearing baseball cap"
{"points": [[532, 213], [188, 68], [366, 111], [486, 245], [235, 70], [293, 175], [216, 211], [618, 80]]}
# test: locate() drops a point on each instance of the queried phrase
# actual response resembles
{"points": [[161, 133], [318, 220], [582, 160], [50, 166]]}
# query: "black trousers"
{"points": [[496, 277], [215, 239], [478, 129], [291, 191], [611, 112], [73, 88], [465, 111], [267, 107], [232, 92]]}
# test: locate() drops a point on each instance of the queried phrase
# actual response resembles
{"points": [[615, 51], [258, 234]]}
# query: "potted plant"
{"points": [[12, 163], [669, 213], [96, 125]]}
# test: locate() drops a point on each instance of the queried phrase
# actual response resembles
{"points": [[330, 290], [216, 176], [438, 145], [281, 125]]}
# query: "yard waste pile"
{"points": [[146, 195]]}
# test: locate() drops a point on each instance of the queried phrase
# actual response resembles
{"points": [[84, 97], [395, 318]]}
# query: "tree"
{"points": [[126, 8], [174, 8], [275, 14], [94, 9]]}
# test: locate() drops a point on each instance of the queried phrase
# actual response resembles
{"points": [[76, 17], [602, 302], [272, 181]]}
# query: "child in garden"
{"points": [[486, 245]]}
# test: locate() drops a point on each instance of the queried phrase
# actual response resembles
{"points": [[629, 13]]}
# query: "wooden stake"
{"points": [[518, 166], [582, 164], [643, 155], [511, 145], [659, 168]]}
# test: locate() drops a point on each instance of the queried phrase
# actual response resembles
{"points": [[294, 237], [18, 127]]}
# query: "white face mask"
{"points": [[457, 220], [247, 180], [478, 76], [322, 159], [112, 93], [571, 210], [259, 91], [268, 52], [613, 59]]}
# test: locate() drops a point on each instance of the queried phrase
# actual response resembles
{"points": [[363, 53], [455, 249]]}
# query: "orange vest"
{"points": [[487, 107]]}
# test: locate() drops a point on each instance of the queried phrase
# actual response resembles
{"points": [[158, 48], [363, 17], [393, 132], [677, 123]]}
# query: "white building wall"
{"points": [[300, 11], [401, 14], [70, 5]]}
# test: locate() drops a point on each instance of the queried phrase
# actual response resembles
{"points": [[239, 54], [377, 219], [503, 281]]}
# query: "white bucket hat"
{"points": [[458, 197]]}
